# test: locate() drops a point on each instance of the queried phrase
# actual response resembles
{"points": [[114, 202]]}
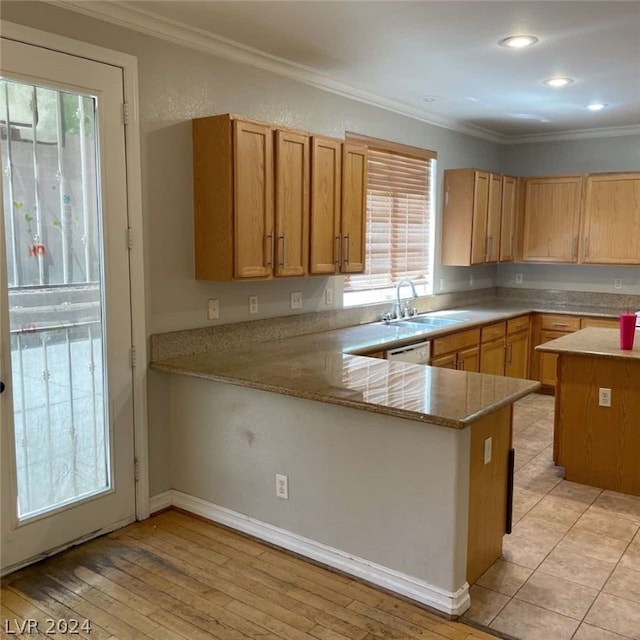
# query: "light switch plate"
{"points": [[214, 309], [488, 446], [328, 296], [604, 397], [296, 299], [253, 304]]}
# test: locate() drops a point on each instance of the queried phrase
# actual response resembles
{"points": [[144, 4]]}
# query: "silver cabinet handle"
{"points": [[574, 248], [348, 239], [510, 353], [560, 324], [270, 260], [511, 248], [284, 250], [490, 249], [338, 249]]}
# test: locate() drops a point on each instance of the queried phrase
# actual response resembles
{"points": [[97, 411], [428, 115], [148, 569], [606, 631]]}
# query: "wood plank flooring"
{"points": [[177, 577]]}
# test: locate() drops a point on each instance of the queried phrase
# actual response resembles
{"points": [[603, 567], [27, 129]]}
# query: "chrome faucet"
{"points": [[397, 308]]}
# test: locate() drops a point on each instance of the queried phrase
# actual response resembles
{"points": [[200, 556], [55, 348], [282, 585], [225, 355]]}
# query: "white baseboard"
{"points": [[451, 603], [160, 501]]}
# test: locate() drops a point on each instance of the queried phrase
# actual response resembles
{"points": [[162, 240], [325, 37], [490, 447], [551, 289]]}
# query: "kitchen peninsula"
{"points": [[597, 439], [396, 473]]}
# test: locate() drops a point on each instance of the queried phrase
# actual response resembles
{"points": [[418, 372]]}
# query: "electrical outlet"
{"points": [[282, 486], [488, 446], [214, 309], [296, 299], [604, 397], [617, 283], [253, 304], [471, 281], [442, 284], [518, 278], [328, 296]]}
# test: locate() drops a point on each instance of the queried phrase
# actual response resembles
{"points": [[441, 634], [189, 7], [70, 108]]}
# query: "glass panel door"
{"points": [[49, 151]]}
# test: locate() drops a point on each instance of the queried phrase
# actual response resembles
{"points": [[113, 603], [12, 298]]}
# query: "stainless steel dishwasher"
{"points": [[416, 352]]}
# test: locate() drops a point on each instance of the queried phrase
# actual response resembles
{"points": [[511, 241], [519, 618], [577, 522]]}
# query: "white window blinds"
{"points": [[399, 225]]}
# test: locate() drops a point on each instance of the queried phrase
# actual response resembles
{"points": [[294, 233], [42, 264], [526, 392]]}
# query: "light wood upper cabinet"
{"points": [[326, 180], [494, 214], [611, 227], [233, 199], [551, 219], [292, 174], [354, 205], [508, 219], [338, 206]]}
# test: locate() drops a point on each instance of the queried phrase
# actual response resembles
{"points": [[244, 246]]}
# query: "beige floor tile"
{"points": [[485, 605], [521, 458], [631, 557], [589, 632], [576, 492], [531, 541], [523, 501], [504, 577], [619, 503], [615, 614], [535, 478], [576, 568], [608, 524], [528, 622], [594, 546], [624, 583], [557, 510], [555, 594]]}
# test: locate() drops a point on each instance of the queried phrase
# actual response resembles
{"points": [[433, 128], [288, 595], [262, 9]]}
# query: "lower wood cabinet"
{"points": [[457, 351], [492, 349]]}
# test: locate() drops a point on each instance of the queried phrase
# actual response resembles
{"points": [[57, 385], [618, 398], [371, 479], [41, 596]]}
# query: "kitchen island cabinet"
{"points": [[597, 445]]}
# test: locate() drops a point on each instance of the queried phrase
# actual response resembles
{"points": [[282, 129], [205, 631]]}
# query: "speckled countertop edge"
{"points": [[593, 342]]}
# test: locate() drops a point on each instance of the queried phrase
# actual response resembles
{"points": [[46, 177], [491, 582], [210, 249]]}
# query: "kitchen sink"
{"points": [[429, 322]]}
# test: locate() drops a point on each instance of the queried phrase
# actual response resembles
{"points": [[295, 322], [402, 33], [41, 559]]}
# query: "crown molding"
{"points": [[143, 21], [576, 134]]}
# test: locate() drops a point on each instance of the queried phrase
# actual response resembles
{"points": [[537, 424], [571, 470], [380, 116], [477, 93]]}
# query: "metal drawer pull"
{"points": [[348, 239], [284, 250], [270, 261], [338, 250], [560, 324]]}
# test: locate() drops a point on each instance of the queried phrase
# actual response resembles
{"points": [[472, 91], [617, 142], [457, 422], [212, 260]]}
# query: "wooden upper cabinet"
{"points": [[472, 217], [253, 200], [326, 180], [233, 198], [292, 175], [551, 219], [494, 211], [611, 227], [354, 206], [508, 219]]}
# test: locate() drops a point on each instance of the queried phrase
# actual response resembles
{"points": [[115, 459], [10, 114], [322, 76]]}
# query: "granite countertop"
{"points": [[595, 342]]}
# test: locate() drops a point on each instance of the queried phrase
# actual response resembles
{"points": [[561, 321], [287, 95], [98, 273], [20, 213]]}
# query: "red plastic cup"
{"points": [[627, 330]]}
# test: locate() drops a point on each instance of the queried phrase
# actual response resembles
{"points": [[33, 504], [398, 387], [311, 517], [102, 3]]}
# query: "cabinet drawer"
{"points": [[456, 341], [604, 323], [517, 324], [560, 323], [492, 332]]}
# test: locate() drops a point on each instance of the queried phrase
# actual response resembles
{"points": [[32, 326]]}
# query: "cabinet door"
{"points": [[253, 200], [517, 355], [447, 361], [492, 357], [468, 359], [494, 209], [480, 214], [612, 219], [508, 218], [326, 164], [549, 361], [354, 207], [551, 219], [293, 169]]}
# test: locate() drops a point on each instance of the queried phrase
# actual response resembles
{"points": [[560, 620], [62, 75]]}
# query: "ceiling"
{"points": [[436, 60]]}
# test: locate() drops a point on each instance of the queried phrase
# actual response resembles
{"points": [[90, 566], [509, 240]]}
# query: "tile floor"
{"points": [[570, 570]]}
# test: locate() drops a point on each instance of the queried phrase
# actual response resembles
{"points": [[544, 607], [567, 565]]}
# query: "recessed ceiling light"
{"points": [[518, 42], [596, 106], [558, 82]]}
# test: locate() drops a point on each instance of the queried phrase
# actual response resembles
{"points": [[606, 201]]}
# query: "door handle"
{"points": [[270, 262], [284, 251], [339, 250], [348, 239]]}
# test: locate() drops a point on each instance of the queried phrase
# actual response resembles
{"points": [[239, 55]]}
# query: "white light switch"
{"points": [[604, 397], [296, 299], [214, 309], [253, 304], [488, 444]]}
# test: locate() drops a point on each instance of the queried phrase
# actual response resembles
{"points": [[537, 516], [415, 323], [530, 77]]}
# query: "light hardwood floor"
{"points": [[178, 577]]}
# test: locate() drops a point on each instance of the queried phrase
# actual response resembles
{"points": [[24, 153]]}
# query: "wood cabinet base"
{"points": [[599, 446]]}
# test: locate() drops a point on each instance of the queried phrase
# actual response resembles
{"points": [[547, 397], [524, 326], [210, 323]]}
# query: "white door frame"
{"points": [[129, 66]]}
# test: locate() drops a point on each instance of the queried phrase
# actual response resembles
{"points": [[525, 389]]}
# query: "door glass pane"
{"points": [[48, 143]]}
